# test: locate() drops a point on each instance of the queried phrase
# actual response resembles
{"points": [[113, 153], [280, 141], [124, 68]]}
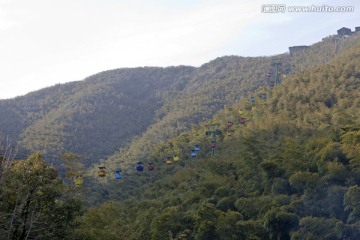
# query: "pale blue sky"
{"points": [[44, 42]]}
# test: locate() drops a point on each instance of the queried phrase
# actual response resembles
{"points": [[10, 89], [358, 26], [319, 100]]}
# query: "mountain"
{"points": [[291, 172], [139, 108], [93, 117], [287, 167]]}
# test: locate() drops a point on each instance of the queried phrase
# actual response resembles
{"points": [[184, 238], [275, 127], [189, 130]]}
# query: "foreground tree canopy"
{"points": [[33, 203]]}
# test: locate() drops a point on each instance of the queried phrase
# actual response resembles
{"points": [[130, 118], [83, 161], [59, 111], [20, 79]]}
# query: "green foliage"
{"points": [[316, 228], [32, 202], [279, 223], [291, 172], [352, 204]]}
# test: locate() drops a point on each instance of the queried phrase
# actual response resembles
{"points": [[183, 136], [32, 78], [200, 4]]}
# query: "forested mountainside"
{"points": [[222, 82], [287, 167], [93, 117], [103, 113], [290, 172]]}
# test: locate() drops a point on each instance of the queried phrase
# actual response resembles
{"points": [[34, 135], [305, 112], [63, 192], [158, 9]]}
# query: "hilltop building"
{"points": [[342, 32]]}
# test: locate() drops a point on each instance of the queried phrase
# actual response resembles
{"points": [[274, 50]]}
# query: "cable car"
{"points": [[169, 160], [176, 158], [242, 120], [263, 96], [229, 133], [102, 172], [269, 74], [252, 99], [229, 124], [118, 174], [151, 166], [193, 153], [197, 147], [241, 112], [213, 144], [78, 181], [140, 166]]}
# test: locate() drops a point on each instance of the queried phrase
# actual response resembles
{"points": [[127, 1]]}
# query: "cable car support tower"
{"points": [[276, 64], [213, 130]]}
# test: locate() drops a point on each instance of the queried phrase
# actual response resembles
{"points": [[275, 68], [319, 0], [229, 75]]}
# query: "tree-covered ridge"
{"points": [[223, 81], [291, 172], [101, 114]]}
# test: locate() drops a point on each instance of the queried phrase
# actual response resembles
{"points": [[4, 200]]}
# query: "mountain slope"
{"points": [[101, 114], [292, 172]]}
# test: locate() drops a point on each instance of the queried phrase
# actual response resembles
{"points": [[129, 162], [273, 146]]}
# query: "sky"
{"points": [[46, 42]]}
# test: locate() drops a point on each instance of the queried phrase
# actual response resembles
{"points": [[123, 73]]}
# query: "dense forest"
{"points": [[287, 167], [107, 111]]}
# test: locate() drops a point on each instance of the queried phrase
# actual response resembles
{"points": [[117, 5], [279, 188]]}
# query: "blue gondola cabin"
{"points": [[118, 174], [193, 153], [140, 166], [197, 147]]}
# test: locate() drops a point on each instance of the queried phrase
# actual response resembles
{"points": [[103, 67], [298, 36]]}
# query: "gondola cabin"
{"points": [[102, 172], [241, 112], [118, 174], [252, 99], [269, 74], [151, 166], [78, 181], [229, 133], [169, 160], [242, 120], [229, 124], [193, 153], [213, 144], [263, 96], [140, 166], [197, 147], [176, 158]]}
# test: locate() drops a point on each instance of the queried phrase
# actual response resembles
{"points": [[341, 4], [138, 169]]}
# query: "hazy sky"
{"points": [[44, 42]]}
